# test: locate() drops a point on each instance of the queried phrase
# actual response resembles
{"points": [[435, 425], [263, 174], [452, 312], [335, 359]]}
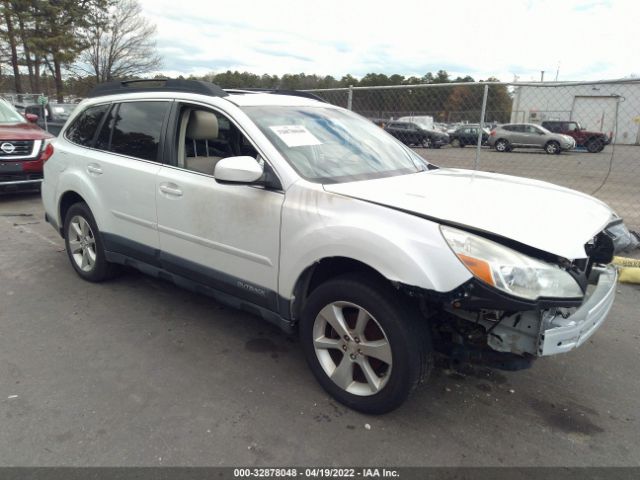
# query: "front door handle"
{"points": [[170, 189], [94, 168]]}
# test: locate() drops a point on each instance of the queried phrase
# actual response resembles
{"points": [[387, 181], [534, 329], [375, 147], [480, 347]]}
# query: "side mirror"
{"points": [[242, 169], [31, 117]]}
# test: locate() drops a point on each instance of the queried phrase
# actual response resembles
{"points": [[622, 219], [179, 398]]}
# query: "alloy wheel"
{"points": [[352, 348], [82, 243]]}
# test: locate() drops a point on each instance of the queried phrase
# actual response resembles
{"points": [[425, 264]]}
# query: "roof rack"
{"points": [[276, 91], [157, 85]]}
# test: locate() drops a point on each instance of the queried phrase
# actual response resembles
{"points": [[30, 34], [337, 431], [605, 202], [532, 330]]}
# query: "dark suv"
{"points": [[411, 133], [594, 142]]}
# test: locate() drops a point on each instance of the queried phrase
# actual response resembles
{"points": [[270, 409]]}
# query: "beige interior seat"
{"points": [[202, 125]]}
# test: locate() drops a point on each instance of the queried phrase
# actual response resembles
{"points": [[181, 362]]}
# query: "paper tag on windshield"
{"points": [[295, 135]]}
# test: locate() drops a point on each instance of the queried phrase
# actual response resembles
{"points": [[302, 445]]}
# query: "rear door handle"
{"points": [[94, 168], [170, 189]]}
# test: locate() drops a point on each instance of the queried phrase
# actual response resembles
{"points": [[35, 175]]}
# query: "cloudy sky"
{"points": [[588, 39]]}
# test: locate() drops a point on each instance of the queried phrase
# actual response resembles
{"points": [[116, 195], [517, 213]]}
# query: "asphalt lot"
{"points": [[139, 372], [612, 174]]}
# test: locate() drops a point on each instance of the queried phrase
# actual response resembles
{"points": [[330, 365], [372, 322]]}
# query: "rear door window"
{"points": [[83, 129], [137, 129]]}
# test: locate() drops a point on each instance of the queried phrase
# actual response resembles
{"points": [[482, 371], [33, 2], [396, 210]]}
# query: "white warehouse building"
{"points": [[611, 107]]}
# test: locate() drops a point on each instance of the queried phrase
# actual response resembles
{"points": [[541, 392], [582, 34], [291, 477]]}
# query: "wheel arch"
{"points": [[67, 199], [325, 269], [75, 189]]}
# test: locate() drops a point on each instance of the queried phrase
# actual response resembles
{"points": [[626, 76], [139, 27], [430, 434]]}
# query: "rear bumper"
{"points": [[564, 334]]}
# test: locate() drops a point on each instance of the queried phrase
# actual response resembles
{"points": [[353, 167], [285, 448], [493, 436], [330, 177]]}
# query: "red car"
{"points": [[24, 147]]}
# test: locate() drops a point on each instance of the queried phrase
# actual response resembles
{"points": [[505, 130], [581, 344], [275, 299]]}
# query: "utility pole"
{"points": [[542, 75]]}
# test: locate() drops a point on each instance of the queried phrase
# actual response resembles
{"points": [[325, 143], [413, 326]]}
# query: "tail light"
{"points": [[492, 133], [35, 166], [47, 152]]}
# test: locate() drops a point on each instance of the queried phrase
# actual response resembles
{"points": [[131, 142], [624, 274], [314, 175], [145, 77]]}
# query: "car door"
{"points": [[536, 137], [472, 137], [518, 136], [122, 169], [225, 236], [415, 134]]}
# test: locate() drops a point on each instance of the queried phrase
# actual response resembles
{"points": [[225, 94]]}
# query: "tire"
{"points": [[552, 148], [367, 383], [456, 143], [427, 142], [502, 145], [84, 246], [595, 145]]}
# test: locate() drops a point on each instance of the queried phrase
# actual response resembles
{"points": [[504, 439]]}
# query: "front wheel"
{"points": [[364, 345], [552, 148], [427, 142], [595, 146]]}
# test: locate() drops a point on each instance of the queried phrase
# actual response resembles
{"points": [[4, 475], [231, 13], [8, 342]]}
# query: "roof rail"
{"points": [[157, 85], [276, 91]]}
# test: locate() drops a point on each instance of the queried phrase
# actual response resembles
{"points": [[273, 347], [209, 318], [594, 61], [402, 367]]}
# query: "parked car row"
{"points": [[553, 136]]}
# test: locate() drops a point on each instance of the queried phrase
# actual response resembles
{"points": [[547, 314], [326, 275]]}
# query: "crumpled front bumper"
{"points": [[563, 334]]}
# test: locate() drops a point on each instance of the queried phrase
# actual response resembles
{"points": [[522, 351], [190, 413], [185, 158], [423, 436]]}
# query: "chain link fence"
{"points": [[523, 129]]}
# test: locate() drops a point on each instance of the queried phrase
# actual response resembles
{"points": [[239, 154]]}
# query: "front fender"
{"points": [[403, 248]]}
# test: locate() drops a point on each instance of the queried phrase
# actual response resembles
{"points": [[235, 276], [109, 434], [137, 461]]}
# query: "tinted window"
{"points": [[104, 137], [84, 127], [137, 127]]}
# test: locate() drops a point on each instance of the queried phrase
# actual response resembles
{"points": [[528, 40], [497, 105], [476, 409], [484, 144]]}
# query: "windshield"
{"points": [[328, 145], [63, 110], [8, 114], [544, 130]]}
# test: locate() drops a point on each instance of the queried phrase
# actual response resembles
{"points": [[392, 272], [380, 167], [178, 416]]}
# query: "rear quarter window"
{"points": [[83, 129]]}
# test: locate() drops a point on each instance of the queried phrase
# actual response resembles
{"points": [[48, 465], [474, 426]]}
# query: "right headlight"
{"points": [[509, 270]]}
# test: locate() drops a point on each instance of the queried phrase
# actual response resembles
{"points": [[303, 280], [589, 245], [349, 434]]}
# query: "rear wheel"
{"points": [[84, 245], [552, 148], [365, 347], [595, 145], [427, 142], [502, 145]]}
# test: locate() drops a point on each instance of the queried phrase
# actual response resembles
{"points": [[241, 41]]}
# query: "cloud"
{"points": [[588, 39]]}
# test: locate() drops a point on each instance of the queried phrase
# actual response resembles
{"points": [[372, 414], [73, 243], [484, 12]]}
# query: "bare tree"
{"points": [[121, 46]]}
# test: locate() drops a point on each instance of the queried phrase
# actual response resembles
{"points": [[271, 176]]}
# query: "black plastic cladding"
{"points": [[161, 85]]}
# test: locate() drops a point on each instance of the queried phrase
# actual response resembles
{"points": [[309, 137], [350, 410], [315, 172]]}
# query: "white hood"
{"points": [[539, 214]]}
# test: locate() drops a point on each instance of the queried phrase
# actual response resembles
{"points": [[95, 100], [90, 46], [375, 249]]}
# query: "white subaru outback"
{"points": [[317, 220]]}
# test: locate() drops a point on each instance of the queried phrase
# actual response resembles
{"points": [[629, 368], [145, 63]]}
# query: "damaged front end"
{"points": [[483, 322]]}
